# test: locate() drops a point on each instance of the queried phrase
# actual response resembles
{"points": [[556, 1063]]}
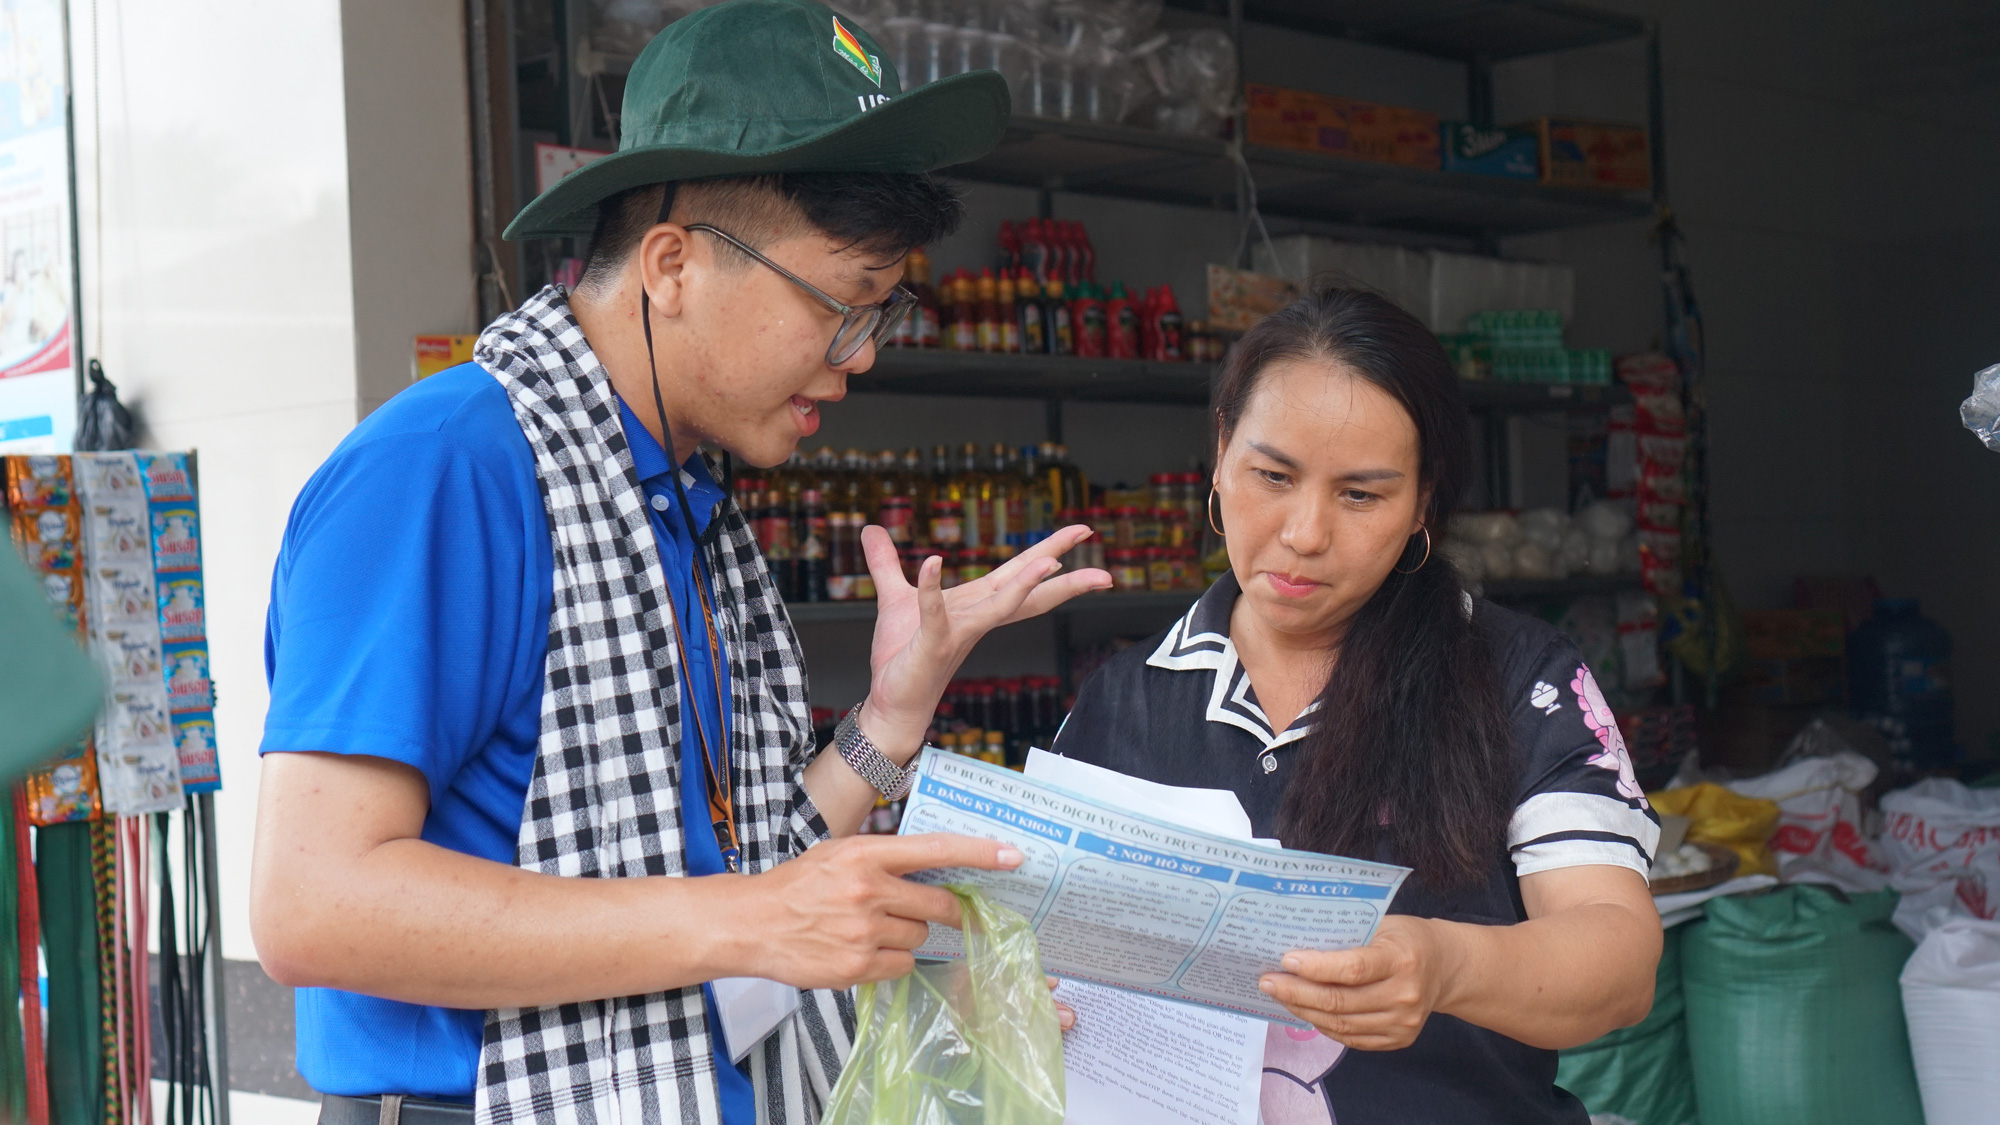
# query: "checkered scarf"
{"points": [[604, 802]]}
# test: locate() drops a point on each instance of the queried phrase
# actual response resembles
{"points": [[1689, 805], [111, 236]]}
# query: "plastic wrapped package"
{"points": [[1981, 412], [967, 1042], [1465, 557], [1486, 527], [1951, 1000], [1573, 551], [1721, 816], [1604, 520], [1496, 561], [1531, 560], [1544, 527], [1794, 1012]]}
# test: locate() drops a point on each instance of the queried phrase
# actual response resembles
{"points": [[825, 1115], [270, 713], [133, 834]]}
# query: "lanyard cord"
{"points": [[715, 761]]}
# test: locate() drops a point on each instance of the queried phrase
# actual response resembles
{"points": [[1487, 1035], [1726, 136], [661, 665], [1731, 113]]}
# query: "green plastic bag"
{"points": [[970, 1042], [1640, 1072], [1794, 1012]]}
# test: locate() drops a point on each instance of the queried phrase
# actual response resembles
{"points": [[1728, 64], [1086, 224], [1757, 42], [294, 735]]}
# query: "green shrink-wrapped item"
{"points": [[1794, 1012], [970, 1042], [1640, 1073]]}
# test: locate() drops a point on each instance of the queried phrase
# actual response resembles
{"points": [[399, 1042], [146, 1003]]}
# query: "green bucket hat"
{"points": [[753, 87]]}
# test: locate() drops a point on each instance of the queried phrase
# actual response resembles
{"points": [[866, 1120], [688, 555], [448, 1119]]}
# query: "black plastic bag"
{"points": [[102, 422]]}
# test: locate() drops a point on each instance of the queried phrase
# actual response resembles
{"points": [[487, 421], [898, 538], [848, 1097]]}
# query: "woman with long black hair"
{"points": [[1359, 702]]}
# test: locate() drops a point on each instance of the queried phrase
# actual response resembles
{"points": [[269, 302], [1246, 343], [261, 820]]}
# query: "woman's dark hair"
{"points": [[1412, 747]]}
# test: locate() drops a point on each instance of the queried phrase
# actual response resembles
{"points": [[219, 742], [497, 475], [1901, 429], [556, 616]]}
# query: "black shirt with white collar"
{"points": [[1179, 710]]}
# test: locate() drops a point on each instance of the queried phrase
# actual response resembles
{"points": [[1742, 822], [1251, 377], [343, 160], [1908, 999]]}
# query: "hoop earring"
{"points": [[1211, 514], [1425, 559]]}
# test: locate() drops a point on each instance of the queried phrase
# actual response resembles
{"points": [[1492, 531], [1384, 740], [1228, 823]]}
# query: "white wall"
{"points": [[259, 290], [409, 155]]}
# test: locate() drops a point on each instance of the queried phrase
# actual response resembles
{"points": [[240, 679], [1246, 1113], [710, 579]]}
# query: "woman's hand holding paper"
{"points": [[1374, 997]]}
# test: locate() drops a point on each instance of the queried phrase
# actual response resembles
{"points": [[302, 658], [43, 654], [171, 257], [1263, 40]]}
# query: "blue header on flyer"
{"points": [[1126, 853], [1319, 887], [993, 810]]}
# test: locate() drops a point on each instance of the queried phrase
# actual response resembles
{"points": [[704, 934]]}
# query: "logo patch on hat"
{"points": [[849, 48]]}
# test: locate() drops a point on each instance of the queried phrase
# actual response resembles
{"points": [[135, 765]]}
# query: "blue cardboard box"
{"points": [[1510, 151]]}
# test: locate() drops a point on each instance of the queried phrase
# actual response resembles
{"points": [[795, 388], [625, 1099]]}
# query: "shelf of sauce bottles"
{"points": [[975, 510], [995, 720], [1041, 297]]}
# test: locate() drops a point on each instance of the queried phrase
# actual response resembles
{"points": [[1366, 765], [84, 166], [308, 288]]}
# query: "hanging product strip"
{"points": [[138, 769], [116, 538]]}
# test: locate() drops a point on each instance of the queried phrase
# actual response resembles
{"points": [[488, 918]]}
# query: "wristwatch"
{"points": [[888, 778]]}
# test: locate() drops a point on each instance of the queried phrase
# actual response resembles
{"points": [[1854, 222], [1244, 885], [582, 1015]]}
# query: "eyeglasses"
{"points": [[859, 323]]}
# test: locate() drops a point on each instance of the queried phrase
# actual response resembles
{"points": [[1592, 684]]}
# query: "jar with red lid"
{"points": [[974, 563], [1192, 577], [1125, 528], [947, 524], [1103, 537], [898, 519], [1159, 569], [1128, 570]]}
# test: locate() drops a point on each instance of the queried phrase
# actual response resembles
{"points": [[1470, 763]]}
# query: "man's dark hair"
{"points": [[885, 213]]}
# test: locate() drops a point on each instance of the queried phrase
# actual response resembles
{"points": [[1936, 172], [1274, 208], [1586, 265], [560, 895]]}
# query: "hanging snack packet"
{"points": [[176, 556], [38, 482]]}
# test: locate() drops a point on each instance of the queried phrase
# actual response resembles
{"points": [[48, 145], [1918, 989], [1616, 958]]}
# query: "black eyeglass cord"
{"points": [[716, 765]]}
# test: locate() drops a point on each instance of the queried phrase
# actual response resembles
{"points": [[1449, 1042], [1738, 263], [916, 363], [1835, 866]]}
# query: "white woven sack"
{"points": [[1951, 1001], [1819, 837], [1942, 841]]}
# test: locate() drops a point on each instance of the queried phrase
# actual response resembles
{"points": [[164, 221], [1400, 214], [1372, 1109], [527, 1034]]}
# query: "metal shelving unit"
{"points": [[1538, 589], [1515, 590], [813, 613], [1132, 163], [1062, 378], [577, 89]]}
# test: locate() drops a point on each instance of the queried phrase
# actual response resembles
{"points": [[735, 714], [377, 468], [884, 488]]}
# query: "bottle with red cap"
{"points": [[986, 317], [1164, 326], [1086, 256], [1010, 247], [1087, 320], [1035, 249], [1030, 313], [1121, 322]]}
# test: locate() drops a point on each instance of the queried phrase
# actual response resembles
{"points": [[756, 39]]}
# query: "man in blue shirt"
{"points": [[504, 779]]}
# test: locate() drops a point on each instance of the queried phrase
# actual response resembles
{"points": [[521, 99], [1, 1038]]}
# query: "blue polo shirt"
{"points": [[409, 620]]}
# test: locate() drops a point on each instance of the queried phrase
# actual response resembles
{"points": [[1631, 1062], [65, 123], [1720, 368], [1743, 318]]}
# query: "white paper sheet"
{"points": [[1136, 902], [1133, 1058], [1137, 1058]]}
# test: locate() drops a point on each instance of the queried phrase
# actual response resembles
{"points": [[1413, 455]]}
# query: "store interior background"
{"points": [[276, 198]]}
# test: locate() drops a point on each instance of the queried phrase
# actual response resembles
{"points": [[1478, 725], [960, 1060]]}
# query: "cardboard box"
{"points": [[1238, 299], [1285, 118], [1437, 287], [1512, 152], [1593, 154], [1793, 634]]}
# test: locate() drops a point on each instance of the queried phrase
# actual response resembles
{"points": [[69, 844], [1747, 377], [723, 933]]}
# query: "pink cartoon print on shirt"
{"points": [[1598, 717], [1296, 1064]]}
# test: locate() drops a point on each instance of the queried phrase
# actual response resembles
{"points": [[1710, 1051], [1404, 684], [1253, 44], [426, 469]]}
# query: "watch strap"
{"points": [[888, 778]]}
